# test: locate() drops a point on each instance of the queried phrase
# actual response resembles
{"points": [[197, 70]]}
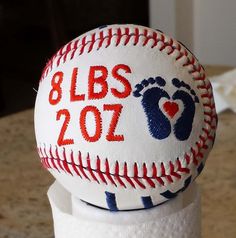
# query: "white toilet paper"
{"points": [[224, 88], [178, 218]]}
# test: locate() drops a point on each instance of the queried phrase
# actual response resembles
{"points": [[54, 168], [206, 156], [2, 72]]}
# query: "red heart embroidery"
{"points": [[171, 108]]}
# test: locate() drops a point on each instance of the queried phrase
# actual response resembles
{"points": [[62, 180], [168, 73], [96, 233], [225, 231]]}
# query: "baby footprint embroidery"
{"points": [[158, 124], [183, 125]]}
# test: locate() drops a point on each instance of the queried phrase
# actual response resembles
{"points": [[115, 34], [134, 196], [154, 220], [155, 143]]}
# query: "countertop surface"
{"points": [[24, 207]]}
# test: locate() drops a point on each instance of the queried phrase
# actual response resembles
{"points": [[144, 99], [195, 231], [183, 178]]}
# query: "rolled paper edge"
{"points": [[180, 217]]}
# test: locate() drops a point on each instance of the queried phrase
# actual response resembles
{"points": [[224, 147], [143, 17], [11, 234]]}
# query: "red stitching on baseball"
{"points": [[46, 162], [179, 57], [117, 175], [74, 165], [172, 171], [149, 180], [68, 49], [181, 169], [58, 160], [118, 36], [53, 162], [169, 179], [136, 177], [108, 172], [82, 45], [92, 42], [65, 163], [96, 172], [195, 161], [81, 167], [136, 38], [74, 49], [190, 61], [109, 37], [163, 170], [204, 87], [101, 40], [128, 36], [154, 175], [127, 177], [90, 169], [187, 158], [99, 170]]}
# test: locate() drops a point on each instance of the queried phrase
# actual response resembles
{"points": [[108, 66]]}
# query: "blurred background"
{"points": [[31, 31]]}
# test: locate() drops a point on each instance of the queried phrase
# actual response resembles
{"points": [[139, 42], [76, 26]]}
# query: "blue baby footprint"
{"points": [[184, 124], [158, 124]]}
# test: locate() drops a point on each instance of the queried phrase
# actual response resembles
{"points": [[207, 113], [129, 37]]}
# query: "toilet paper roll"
{"points": [[178, 218]]}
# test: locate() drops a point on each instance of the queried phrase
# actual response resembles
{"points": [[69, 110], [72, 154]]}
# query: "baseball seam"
{"points": [[168, 172]]}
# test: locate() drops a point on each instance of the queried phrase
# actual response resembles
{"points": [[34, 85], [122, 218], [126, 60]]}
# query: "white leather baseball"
{"points": [[124, 117]]}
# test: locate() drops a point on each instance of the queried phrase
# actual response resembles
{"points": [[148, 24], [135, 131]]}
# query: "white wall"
{"points": [[215, 31], [208, 27], [162, 15], [184, 22], [173, 19]]}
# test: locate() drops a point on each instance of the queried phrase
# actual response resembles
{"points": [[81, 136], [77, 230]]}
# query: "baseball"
{"points": [[124, 117]]}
